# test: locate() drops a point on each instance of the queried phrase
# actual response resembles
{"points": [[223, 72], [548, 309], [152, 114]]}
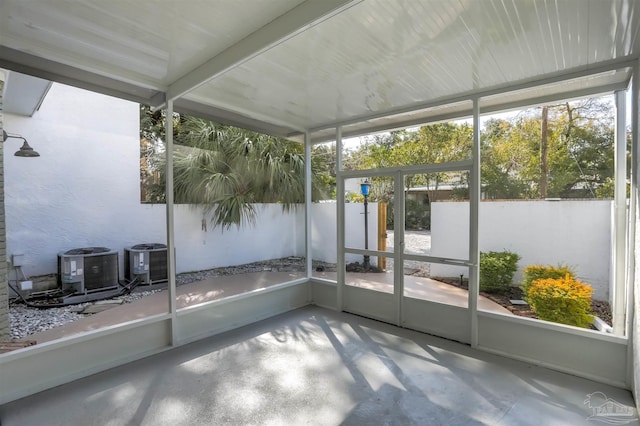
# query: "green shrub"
{"points": [[563, 300], [417, 215], [496, 270], [536, 272]]}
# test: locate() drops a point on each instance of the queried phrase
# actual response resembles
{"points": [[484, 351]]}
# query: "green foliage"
{"points": [[224, 170], [496, 270], [417, 215], [323, 169], [579, 152], [607, 190], [353, 197], [536, 272], [562, 300], [507, 151], [579, 158], [435, 143]]}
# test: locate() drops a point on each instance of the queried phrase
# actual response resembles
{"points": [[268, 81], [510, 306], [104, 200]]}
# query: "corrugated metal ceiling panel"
{"points": [[382, 55], [372, 58], [152, 43]]}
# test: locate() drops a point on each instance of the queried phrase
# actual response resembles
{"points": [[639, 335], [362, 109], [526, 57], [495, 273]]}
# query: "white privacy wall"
{"points": [[324, 230], [84, 191], [572, 232], [275, 234]]}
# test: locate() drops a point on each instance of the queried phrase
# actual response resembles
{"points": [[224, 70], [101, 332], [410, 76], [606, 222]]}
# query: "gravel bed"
{"points": [[287, 264], [415, 242], [25, 321]]}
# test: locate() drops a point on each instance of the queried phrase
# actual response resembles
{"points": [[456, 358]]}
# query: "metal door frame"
{"points": [[398, 174]]}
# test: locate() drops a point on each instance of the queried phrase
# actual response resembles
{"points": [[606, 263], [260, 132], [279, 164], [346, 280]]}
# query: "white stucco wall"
{"points": [[324, 234], [572, 232], [276, 234], [83, 191], [80, 191]]}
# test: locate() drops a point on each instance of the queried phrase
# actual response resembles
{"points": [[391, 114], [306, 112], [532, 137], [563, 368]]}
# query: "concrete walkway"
{"points": [[224, 286], [417, 288]]}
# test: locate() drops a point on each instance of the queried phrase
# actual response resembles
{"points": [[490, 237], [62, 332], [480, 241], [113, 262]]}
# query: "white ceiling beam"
{"points": [[466, 113], [231, 118], [295, 21]]}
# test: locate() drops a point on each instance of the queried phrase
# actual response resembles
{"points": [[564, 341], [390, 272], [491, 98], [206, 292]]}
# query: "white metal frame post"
{"points": [[620, 215], [631, 249], [307, 210], [340, 262], [171, 253], [474, 222], [398, 249]]}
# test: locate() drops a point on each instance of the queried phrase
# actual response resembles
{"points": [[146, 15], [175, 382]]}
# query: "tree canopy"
{"points": [[578, 161], [563, 150], [575, 160]]}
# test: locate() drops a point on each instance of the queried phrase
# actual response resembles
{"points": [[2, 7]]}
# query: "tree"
{"points": [[152, 125], [445, 142], [544, 146], [587, 132], [225, 171], [505, 154], [436, 143], [571, 155], [324, 169]]}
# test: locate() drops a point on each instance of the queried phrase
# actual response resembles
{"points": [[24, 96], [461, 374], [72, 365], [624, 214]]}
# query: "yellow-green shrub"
{"points": [[563, 300], [536, 272]]}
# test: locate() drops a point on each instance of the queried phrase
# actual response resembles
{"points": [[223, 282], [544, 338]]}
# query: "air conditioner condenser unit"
{"points": [[147, 262], [88, 269]]}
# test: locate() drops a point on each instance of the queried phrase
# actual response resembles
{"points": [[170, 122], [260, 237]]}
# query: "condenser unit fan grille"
{"points": [[146, 262], [100, 272], [158, 265]]}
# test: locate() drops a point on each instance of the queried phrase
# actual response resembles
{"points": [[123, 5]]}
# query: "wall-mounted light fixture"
{"points": [[25, 150]]}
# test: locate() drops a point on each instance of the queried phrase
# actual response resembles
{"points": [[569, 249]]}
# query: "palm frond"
{"points": [[224, 170]]}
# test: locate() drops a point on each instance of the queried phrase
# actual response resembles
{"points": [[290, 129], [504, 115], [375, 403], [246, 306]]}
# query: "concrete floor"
{"points": [[315, 366]]}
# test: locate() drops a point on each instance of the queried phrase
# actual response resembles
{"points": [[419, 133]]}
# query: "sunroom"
{"points": [[321, 73]]}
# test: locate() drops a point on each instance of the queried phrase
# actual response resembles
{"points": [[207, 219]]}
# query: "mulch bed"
{"points": [[599, 308]]}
